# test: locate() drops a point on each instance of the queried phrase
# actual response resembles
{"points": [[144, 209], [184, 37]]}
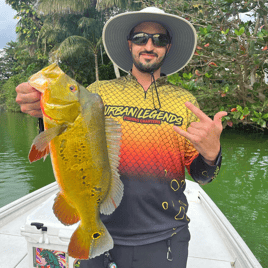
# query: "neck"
{"points": [[145, 79]]}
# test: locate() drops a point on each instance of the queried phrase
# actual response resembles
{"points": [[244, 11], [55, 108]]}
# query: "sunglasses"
{"points": [[159, 40]]}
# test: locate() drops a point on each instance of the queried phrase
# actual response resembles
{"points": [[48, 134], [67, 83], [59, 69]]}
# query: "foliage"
{"points": [[79, 6], [15, 68], [8, 61], [227, 70], [9, 93], [29, 23], [81, 42]]}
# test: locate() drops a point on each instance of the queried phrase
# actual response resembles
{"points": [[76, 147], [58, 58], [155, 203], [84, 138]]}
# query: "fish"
{"points": [[84, 148]]}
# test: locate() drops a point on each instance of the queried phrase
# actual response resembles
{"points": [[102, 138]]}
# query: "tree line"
{"points": [[227, 71]]}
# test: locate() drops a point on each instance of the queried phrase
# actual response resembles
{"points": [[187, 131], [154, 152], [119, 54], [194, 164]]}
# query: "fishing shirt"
{"points": [[153, 158]]}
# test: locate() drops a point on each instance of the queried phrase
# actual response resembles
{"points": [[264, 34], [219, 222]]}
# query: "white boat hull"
{"points": [[214, 241]]}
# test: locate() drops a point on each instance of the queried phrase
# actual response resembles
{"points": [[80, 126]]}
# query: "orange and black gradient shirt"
{"points": [[153, 158]]}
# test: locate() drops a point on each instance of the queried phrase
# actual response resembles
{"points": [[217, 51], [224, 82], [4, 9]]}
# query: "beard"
{"points": [[148, 67]]}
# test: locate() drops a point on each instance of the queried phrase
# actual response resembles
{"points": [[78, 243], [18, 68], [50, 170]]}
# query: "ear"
{"points": [[168, 47], [129, 45]]}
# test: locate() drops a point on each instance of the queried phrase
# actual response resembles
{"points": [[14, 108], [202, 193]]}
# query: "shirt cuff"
{"points": [[204, 173]]}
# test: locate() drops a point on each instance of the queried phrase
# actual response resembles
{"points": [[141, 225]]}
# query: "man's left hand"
{"points": [[204, 135]]}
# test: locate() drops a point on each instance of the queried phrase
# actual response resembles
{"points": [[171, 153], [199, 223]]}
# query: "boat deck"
{"points": [[214, 241]]}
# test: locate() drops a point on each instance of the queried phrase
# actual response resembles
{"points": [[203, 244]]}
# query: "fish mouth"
{"points": [[40, 84]]}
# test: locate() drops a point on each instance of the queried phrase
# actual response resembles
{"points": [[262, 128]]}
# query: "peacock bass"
{"points": [[84, 149]]}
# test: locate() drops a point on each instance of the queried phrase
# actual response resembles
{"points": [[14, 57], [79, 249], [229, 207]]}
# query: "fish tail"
{"points": [[87, 244]]}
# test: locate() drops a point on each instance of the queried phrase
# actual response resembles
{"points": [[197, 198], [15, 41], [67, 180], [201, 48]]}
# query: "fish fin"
{"points": [[115, 194], [87, 244], [35, 154], [64, 211], [40, 148]]}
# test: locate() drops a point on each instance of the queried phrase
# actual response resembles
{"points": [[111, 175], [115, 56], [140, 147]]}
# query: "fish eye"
{"points": [[73, 88]]}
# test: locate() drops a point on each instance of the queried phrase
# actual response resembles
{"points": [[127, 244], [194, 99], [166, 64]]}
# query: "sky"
{"points": [[7, 24]]}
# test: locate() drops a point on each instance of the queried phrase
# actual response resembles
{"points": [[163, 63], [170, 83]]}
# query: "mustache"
{"points": [[148, 52]]}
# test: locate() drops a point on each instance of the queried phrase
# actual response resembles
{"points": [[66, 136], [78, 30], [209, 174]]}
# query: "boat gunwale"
{"points": [[20, 206], [244, 258]]}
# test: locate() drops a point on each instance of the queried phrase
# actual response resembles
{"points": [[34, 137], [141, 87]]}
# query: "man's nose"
{"points": [[149, 45]]}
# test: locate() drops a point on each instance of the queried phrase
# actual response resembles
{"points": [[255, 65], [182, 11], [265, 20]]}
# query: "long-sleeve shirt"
{"points": [[153, 158]]}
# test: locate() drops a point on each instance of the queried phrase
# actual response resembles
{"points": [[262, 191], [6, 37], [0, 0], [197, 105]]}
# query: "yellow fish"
{"points": [[84, 149]]}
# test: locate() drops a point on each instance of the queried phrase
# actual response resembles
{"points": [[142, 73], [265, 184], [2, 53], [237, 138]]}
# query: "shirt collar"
{"points": [[159, 82]]}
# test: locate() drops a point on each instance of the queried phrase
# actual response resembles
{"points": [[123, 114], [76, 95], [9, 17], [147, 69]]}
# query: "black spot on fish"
{"points": [[84, 177], [96, 235], [97, 189]]}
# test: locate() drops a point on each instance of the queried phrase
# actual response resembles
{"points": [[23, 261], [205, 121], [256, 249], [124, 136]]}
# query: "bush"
{"points": [[9, 91]]}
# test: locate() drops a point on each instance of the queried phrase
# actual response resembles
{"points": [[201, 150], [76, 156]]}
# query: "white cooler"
{"points": [[47, 244]]}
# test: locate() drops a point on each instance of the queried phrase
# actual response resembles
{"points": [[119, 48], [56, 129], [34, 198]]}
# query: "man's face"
{"points": [[148, 58]]}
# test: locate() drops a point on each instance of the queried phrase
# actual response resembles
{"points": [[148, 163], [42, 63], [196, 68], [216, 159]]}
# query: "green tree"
{"points": [[79, 6], [8, 61], [227, 70], [28, 27], [77, 46], [8, 90], [70, 39]]}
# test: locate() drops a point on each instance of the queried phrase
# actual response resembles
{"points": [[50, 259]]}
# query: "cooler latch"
{"points": [[38, 225], [44, 237]]}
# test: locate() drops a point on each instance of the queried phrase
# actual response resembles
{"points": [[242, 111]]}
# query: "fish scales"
{"points": [[75, 131]]}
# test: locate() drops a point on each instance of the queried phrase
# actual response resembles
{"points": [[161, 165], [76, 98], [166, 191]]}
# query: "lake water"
{"points": [[240, 190]]}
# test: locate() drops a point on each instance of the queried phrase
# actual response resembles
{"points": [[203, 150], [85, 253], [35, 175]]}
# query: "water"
{"points": [[240, 191], [17, 176]]}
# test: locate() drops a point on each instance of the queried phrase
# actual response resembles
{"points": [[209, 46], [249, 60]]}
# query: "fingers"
{"points": [[183, 133], [24, 98], [218, 116], [201, 115], [25, 88], [29, 99], [36, 113]]}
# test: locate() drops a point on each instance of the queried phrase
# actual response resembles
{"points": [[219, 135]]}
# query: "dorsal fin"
{"points": [[115, 194]]}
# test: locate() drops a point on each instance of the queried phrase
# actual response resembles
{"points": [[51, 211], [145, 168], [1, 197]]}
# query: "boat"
{"points": [[27, 225]]}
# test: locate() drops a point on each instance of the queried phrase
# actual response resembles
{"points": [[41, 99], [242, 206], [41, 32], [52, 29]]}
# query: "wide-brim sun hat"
{"points": [[182, 32]]}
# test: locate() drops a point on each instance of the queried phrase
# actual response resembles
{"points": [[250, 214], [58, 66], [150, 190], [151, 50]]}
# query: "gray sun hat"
{"points": [[182, 32]]}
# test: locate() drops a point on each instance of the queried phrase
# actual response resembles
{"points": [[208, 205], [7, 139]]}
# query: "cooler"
{"points": [[47, 238]]}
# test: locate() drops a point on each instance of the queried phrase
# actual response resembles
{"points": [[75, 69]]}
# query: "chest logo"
{"points": [[144, 116]]}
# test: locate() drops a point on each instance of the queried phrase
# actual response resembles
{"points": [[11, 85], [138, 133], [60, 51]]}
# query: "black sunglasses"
{"points": [[159, 40]]}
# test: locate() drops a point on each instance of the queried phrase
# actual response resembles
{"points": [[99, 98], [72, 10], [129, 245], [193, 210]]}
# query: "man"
{"points": [[163, 132]]}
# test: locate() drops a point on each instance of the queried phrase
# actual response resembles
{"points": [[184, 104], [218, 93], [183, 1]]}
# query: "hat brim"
{"points": [[183, 35]]}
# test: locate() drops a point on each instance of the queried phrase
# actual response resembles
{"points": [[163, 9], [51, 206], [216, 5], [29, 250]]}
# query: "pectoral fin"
{"points": [[40, 145]]}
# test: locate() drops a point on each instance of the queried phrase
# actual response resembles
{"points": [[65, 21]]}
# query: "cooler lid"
{"points": [[43, 219]]}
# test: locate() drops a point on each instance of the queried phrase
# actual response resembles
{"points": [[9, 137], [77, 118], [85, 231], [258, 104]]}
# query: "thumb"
{"points": [[218, 116]]}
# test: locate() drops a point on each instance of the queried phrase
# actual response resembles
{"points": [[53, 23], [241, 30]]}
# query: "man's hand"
{"points": [[204, 135], [29, 100]]}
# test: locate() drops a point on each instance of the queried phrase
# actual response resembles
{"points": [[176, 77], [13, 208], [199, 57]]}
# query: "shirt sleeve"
{"points": [[94, 87], [202, 172]]}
